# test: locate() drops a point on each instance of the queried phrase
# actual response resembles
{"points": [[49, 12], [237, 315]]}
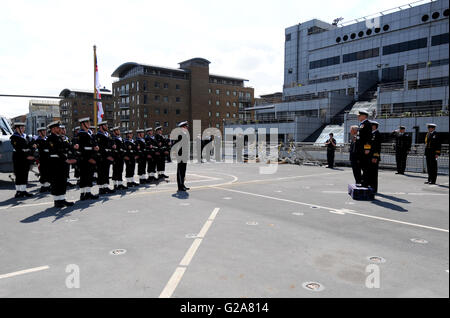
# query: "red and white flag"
{"points": [[100, 112]]}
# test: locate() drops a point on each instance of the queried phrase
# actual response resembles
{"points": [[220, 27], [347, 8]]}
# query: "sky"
{"points": [[47, 46]]}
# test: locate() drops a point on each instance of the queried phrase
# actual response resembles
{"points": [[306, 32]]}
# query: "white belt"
{"points": [[25, 150], [54, 156], [87, 148], [108, 150], [46, 150]]}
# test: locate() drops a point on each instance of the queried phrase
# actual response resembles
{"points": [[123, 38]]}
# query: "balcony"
{"points": [[123, 93], [245, 99], [124, 117], [124, 106]]}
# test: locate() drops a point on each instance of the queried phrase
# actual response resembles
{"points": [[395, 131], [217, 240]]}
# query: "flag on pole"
{"points": [[100, 112]]}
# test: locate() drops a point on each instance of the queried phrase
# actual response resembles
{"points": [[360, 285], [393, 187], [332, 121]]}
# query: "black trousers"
{"points": [[76, 167], [330, 158], [103, 172], [44, 170], [356, 170], [400, 157], [181, 174], [373, 176], [130, 166], [86, 174], [67, 170], [21, 169], [58, 180], [141, 166], [117, 169], [161, 162], [151, 165], [432, 167], [364, 164]]}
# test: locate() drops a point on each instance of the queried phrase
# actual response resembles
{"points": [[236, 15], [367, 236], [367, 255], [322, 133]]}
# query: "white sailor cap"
{"points": [[104, 122], [431, 125], [373, 122], [76, 128], [129, 132], [41, 128], [83, 120], [62, 126], [402, 127], [17, 124], [140, 130], [54, 124], [363, 112], [182, 124], [116, 128], [158, 128], [148, 129]]}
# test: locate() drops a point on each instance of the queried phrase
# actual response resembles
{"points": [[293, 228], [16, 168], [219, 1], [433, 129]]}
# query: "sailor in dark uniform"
{"points": [[58, 162], [89, 152], [105, 158], [22, 159], [118, 154], [375, 156], [150, 142], [142, 153], [161, 152], [402, 147], [182, 161], [432, 153], [130, 159], [69, 153], [44, 166], [363, 146], [76, 153], [354, 155], [331, 148]]}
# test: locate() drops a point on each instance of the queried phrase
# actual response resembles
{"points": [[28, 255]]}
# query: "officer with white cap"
{"points": [[402, 147], [58, 161], [363, 145], [432, 153], [375, 156], [182, 160], [22, 159]]}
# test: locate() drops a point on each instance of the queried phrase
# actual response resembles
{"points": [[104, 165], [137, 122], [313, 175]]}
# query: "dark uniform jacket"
{"points": [[375, 151], [162, 144], [432, 144], [57, 150], [402, 141], [68, 149], [151, 145], [42, 146], [130, 149], [105, 143], [330, 145], [21, 147], [87, 144], [141, 148], [119, 152], [363, 139]]}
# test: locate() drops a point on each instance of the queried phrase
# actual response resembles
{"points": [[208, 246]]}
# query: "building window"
{"points": [[234, 115], [157, 111], [234, 93], [218, 103], [166, 124], [288, 37], [209, 90], [209, 114], [405, 46], [144, 86], [178, 99], [145, 99], [156, 97], [439, 39], [325, 62], [361, 55], [166, 99], [177, 111], [166, 85], [177, 87], [234, 104], [217, 91], [228, 115], [157, 84], [228, 93], [217, 114], [209, 102], [228, 103], [166, 111], [157, 123], [217, 125]]}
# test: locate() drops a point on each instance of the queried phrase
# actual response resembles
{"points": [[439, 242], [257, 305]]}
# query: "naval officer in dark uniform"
{"points": [[331, 148], [161, 152], [182, 161], [44, 166], [402, 147], [105, 158], [142, 153], [130, 159], [150, 143], [432, 153], [88, 149], [22, 159], [118, 153], [375, 156], [58, 161], [363, 146]]}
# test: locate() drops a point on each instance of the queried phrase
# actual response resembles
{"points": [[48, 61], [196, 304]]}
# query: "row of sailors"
{"points": [[88, 153]]}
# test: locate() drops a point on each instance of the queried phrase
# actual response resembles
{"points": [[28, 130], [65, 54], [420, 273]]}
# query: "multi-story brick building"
{"points": [[79, 103], [40, 114], [149, 96]]}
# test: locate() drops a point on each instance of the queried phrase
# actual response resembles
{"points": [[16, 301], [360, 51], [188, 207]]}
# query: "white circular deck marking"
{"points": [[419, 241], [376, 259], [252, 223], [118, 251], [313, 286]]}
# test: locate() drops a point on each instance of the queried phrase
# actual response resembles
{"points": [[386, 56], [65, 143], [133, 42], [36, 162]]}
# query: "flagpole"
{"points": [[95, 91]]}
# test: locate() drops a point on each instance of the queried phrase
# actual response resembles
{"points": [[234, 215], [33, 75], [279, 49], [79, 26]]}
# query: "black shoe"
{"points": [[67, 203], [121, 187], [426, 182], [130, 184], [59, 204], [397, 173], [102, 191], [135, 184], [44, 189], [151, 179], [432, 183], [83, 197], [69, 185], [186, 188], [91, 196], [164, 176], [19, 194], [116, 187], [108, 190], [26, 194], [181, 190], [142, 181]]}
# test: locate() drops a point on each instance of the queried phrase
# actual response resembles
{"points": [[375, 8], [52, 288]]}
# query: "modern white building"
{"points": [[394, 63], [40, 114]]}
